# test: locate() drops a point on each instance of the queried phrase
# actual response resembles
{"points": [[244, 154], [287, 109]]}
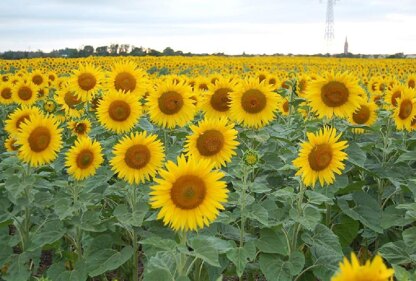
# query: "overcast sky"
{"points": [[208, 26]]}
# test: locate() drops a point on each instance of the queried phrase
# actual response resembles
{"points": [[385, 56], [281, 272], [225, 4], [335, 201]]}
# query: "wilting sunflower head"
{"points": [[39, 139], [189, 194], [405, 110], [214, 140], [336, 94], [374, 270], [137, 157], [320, 158], [84, 158], [253, 104], [119, 112], [171, 105]]}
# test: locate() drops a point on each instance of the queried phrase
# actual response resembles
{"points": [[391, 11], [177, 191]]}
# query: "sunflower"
{"points": [[321, 157], [18, 117], [84, 158], [171, 105], [86, 81], [68, 101], [302, 85], [365, 115], [392, 95], [334, 94], [284, 106], [6, 90], [39, 139], [214, 140], [374, 270], [189, 194], [411, 81], [126, 77], [137, 157], [49, 105], [119, 112], [253, 103], [38, 78], [10, 144], [405, 110], [25, 93], [216, 102], [81, 128]]}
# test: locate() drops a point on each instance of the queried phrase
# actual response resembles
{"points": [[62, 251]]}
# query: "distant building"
{"points": [[346, 47]]}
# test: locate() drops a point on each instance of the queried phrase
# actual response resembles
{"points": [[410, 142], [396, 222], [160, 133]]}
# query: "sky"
{"points": [[210, 26]]}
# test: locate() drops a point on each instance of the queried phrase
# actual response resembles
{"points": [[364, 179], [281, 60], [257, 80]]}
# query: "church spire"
{"points": [[346, 46]]}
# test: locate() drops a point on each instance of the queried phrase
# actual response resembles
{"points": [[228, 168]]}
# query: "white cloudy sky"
{"points": [[230, 26]]}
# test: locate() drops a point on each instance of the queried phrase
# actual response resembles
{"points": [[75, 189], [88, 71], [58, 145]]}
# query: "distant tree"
{"points": [[124, 49], [114, 49], [153, 52], [101, 51], [168, 51], [137, 51]]}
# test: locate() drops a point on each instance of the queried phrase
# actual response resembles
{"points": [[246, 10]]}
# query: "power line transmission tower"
{"points": [[329, 26]]}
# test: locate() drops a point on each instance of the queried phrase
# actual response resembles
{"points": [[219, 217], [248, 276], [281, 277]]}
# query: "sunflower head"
{"points": [[6, 91], [189, 194], [321, 157], [84, 158], [371, 270], [405, 110], [86, 81], [39, 139]]}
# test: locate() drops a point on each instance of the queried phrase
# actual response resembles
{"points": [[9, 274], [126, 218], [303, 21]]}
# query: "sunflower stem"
{"points": [[181, 267], [27, 211], [243, 204], [135, 243]]}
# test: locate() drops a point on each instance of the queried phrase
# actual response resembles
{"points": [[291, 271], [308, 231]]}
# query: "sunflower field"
{"points": [[208, 168]]}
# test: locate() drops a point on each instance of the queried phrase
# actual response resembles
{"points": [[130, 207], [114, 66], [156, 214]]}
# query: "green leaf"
{"points": [[356, 155], [272, 241], [205, 251], [160, 267], [396, 253], [129, 218], [50, 232], [346, 230], [366, 210], [57, 272], [19, 268], [259, 213], [159, 243], [241, 256], [393, 216], [402, 274], [274, 268], [318, 198], [325, 249], [409, 238], [107, 259], [222, 246], [406, 156], [310, 217]]}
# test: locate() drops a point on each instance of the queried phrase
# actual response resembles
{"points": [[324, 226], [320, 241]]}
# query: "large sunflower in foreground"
{"points": [[119, 112], [25, 93], [39, 139], [137, 157], [365, 115], [171, 105], [189, 194], [254, 104], [84, 158], [321, 157], [334, 94], [216, 102], [126, 77], [374, 270], [86, 81], [405, 110], [6, 90], [18, 117], [214, 140]]}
